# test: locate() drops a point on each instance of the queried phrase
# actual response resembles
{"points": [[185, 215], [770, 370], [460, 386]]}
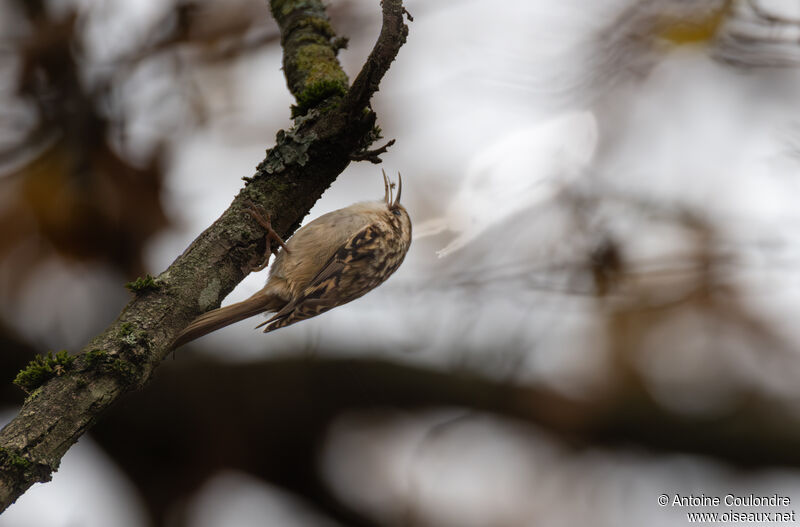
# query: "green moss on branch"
{"points": [[142, 284], [310, 45], [11, 459], [42, 368]]}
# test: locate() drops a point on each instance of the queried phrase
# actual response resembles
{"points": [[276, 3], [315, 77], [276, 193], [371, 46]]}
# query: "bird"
{"points": [[337, 258]]}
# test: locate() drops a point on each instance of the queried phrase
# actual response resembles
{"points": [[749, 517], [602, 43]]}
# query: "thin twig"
{"points": [[372, 155], [393, 35]]}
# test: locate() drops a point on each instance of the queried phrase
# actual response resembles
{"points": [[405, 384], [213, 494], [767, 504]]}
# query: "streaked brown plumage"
{"points": [[333, 260]]}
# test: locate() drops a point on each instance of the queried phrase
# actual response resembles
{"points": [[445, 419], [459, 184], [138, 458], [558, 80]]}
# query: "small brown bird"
{"points": [[336, 258]]}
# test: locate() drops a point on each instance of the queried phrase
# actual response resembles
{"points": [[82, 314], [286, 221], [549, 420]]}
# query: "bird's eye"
{"points": [[396, 212]]}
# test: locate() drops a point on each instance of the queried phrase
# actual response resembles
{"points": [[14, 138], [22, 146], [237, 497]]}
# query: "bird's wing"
{"points": [[355, 267]]}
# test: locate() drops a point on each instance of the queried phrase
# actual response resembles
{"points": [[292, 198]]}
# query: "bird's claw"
{"points": [[263, 219]]}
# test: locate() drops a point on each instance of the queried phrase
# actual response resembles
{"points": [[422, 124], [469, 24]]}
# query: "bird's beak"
{"points": [[399, 191], [387, 197]]}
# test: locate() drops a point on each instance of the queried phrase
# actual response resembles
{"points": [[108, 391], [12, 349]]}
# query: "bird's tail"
{"points": [[225, 316]]}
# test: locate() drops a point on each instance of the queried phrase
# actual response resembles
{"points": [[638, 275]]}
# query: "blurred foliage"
{"points": [[700, 28], [760, 34], [74, 191], [71, 187]]}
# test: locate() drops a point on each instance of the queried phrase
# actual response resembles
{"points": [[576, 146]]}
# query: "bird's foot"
{"points": [[263, 219]]}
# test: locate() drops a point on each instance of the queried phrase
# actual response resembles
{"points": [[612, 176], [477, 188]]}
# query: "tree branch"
{"points": [[294, 174], [393, 35], [312, 71]]}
